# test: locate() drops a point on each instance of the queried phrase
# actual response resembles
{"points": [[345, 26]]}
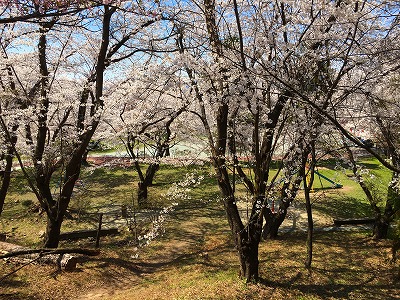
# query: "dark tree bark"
{"points": [[56, 207], [381, 228], [274, 219], [147, 182], [89, 148], [5, 182], [161, 146], [248, 251], [5, 175], [246, 238], [308, 181], [53, 230]]}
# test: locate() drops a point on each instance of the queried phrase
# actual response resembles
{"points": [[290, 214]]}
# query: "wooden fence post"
{"points": [[99, 230]]}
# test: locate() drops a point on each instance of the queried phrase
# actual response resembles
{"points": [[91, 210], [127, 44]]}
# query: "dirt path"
{"points": [[189, 236], [184, 239]]}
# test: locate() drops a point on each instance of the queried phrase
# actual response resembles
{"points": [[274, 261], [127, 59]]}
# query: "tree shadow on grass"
{"points": [[188, 241], [370, 166], [10, 282], [108, 178], [344, 207], [345, 266], [339, 291], [136, 270], [15, 296]]}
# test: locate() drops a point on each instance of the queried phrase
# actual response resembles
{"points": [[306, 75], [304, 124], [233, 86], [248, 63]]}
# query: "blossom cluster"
{"points": [[180, 190], [157, 226], [51, 4]]}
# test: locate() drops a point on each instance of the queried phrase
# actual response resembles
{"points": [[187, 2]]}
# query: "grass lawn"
{"points": [[195, 258]]}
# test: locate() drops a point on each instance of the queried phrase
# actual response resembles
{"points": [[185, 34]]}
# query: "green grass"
{"points": [[195, 257], [349, 201], [114, 187], [98, 189]]}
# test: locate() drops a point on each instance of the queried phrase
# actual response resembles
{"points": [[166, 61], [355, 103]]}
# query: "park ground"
{"points": [[194, 257]]}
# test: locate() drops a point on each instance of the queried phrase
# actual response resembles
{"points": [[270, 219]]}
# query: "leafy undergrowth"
{"points": [[195, 259]]}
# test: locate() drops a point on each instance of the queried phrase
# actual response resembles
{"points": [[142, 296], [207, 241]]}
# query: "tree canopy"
{"points": [[263, 79]]}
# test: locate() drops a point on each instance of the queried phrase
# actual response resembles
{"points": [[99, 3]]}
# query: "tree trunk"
{"points": [[273, 220], [310, 222], [6, 174], [167, 151], [84, 158], [247, 238], [148, 181], [308, 181], [310, 235], [381, 228], [53, 230], [5, 179], [142, 192], [248, 252], [151, 172]]}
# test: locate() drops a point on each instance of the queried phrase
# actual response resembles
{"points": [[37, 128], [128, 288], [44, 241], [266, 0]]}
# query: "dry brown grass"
{"points": [[196, 260]]}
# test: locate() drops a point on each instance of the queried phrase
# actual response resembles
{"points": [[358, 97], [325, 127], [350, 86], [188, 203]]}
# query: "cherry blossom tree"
{"points": [[377, 116], [223, 79], [66, 102], [143, 115], [10, 99], [249, 68], [258, 59], [8, 139], [13, 11]]}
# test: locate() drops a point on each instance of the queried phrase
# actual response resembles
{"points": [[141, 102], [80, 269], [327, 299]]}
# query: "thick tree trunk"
{"points": [[53, 230], [247, 238], [381, 228], [248, 252], [273, 220], [382, 222], [56, 209], [151, 172], [148, 181], [142, 192]]}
